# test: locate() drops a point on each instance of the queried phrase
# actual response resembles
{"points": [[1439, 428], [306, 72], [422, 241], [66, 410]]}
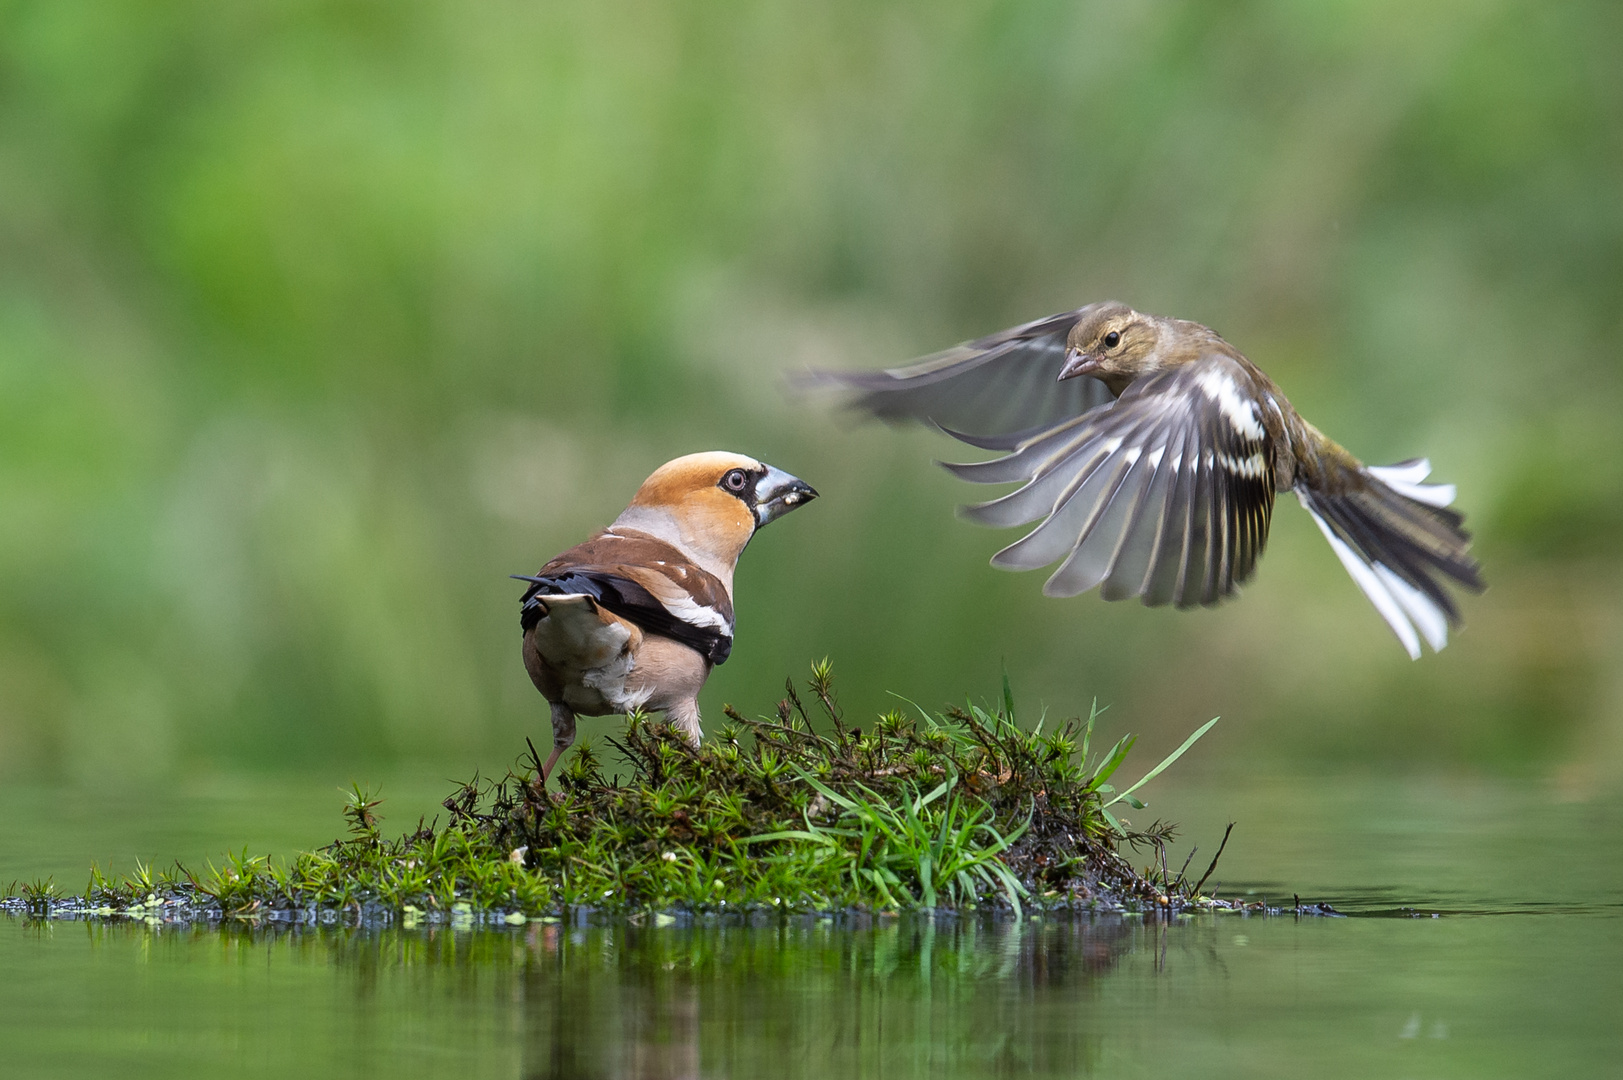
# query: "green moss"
{"points": [[964, 810]]}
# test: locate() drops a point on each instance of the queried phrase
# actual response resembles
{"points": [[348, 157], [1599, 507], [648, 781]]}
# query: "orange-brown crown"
{"points": [[685, 503]]}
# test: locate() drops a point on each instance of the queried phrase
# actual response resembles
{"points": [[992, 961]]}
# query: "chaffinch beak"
{"points": [[777, 493], [1077, 363]]}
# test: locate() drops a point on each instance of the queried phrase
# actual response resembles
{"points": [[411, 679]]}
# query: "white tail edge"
{"points": [[1405, 479], [1402, 605]]}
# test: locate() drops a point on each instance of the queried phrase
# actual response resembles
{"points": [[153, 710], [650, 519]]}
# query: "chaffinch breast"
{"points": [[637, 615], [1151, 450]]}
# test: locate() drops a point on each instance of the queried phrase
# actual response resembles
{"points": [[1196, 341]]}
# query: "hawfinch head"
{"points": [[710, 504]]}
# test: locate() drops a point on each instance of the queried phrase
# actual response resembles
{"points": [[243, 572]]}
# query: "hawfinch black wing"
{"points": [[644, 581], [1000, 389], [1165, 493]]}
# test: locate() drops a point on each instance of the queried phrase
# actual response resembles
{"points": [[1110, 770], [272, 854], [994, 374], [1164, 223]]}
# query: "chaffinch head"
{"points": [[1151, 450], [637, 615]]}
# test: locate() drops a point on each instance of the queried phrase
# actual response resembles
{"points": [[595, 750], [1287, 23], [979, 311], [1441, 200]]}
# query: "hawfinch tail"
{"points": [[637, 616], [1151, 449]]}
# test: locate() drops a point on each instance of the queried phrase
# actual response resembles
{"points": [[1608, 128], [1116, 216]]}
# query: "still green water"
{"points": [[1519, 975]]}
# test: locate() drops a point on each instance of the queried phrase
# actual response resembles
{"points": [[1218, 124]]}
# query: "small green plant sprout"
{"points": [[360, 808], [796, 811], [37, 896]]}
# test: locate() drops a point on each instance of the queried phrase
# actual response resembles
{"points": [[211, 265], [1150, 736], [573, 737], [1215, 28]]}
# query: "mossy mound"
{"points": [[964, 810]]}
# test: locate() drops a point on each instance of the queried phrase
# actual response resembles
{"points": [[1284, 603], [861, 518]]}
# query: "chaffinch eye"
{"points": [[1112, 339], [736, 480]]}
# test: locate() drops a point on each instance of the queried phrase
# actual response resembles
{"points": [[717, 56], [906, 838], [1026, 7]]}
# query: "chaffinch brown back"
{"points": [[637, 615], [1151, 450]]}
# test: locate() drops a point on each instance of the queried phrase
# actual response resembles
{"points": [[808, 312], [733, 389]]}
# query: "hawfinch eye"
{"points": [[735, 480], [1112, 339]]}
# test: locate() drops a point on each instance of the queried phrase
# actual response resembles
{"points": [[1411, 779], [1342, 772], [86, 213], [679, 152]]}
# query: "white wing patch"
{"points": [[684, 607], [680, 603], [1240, 411], [1405, 479]]}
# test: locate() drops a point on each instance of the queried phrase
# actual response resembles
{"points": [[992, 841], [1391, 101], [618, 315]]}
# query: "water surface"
{"points": [[1487, 940]]}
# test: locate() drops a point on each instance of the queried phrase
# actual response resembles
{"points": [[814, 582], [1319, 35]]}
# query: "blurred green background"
{"points": [[317, 319]]}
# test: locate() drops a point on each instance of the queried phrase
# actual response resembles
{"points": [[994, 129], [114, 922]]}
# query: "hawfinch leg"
{"points": [[563, 735], [684, 716]]}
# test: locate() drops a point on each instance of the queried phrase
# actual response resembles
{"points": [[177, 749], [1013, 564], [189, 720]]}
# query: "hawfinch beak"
{"points": [[777, 493], [1077, 363]]}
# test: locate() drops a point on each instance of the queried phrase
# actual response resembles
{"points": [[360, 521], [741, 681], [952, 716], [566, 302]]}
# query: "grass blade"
{"points": [[1168, 760], [1113, 760]]}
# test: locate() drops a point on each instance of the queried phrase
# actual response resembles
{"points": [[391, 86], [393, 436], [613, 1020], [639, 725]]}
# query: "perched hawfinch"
{"points": [[1151, 449], [638, 615]]}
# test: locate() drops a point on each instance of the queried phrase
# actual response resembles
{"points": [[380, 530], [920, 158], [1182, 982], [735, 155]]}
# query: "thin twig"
{"points": [[1186, 862], [1219, 855], [981, 736], [770, 726]]}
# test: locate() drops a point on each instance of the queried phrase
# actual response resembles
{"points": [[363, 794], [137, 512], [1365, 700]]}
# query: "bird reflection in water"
{"points": [[813, 999]]}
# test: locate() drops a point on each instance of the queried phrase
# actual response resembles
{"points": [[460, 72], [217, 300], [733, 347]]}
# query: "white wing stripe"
{"points": [[1253, 467], [695, 614]]}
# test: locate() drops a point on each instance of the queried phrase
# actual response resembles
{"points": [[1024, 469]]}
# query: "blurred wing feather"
{"points": [[1166, 493], [992, 392]]}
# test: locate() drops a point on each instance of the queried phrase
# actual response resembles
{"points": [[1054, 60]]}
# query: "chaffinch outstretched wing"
{"points": [[637, 615], [1004, 384], [1157, 477]]}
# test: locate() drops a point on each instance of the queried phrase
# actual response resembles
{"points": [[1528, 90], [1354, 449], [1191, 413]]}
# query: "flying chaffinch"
{"points": [[1151, 449], [637, 615]]}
